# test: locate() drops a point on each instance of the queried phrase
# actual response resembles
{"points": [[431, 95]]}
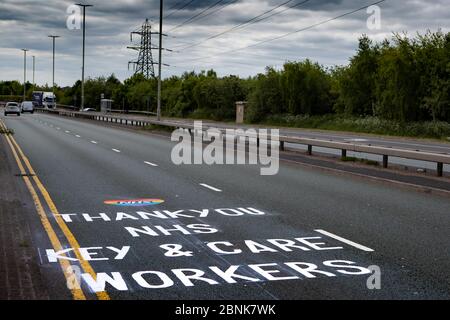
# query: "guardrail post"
{"points": [[309, 149], [385, 161], [343, 153], [440, 169]]}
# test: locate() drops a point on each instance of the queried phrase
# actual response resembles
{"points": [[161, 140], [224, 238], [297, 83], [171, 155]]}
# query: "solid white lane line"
{"points": [[115, 150], [209, 187], [150, 164], [349, 242], [94, 142]]}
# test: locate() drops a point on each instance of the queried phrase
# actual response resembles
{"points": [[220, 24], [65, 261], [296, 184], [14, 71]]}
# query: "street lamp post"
{"points": [[53, 79], [24, 73], [84, 6], [161, 9], [34, 69]]}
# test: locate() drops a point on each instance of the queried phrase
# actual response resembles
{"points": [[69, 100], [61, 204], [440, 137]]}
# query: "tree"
{"points": [[265, 98], [305, 88], [356, 95], [398, 81]]}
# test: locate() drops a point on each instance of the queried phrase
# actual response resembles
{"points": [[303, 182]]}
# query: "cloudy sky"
{"points": [[27, 23]]}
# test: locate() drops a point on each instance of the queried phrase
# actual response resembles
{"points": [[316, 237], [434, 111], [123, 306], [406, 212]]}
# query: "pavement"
{"points": [[218, 232], [20, 276]]}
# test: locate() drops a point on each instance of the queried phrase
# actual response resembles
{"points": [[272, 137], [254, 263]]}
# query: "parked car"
{"points": [[12, 108], [27, 106], [88, 110]]}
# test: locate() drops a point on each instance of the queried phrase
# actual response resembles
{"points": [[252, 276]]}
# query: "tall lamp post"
{"points": [[84, 6], [53, 79], [161, 9], [24, 73], [34, 69]]}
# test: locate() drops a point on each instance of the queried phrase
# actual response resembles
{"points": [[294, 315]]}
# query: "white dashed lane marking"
{"points": [[349, 242], [150, 164], [94, 142], [210, 187], [115, 150], [78, 136]]}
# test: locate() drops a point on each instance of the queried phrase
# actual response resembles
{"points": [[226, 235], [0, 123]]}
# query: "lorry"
{"points": [[46, 100]]}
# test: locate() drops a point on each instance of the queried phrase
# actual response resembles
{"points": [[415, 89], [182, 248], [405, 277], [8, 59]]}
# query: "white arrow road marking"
{"points": [[209, 187], [351, 243], [150, 164]]}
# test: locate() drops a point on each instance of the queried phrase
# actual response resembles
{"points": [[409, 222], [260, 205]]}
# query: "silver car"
{"points": [[27, 106], [12, 108]]}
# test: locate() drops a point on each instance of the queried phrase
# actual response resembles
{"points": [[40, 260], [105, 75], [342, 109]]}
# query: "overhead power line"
{"points": [[279, 12], [289, 33], [180, 8], [201, 14], [240, 25], [175, 5], [218, 9]]}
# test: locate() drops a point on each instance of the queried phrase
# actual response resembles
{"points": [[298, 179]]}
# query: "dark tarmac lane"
{"points": [[226, 232]]}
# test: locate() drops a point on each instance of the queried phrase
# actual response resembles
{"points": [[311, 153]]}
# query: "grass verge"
{"points": [[428, 129], [365, 161], [158, 128]]}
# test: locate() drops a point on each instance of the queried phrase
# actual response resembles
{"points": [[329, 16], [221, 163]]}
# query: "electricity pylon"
{"points": [[144, 64]]}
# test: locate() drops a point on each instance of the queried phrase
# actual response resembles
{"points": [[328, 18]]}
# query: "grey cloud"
{"points": [[26, 23]]}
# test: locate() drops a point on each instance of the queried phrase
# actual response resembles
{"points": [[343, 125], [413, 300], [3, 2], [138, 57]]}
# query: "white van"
{"points": [[27, 106]]}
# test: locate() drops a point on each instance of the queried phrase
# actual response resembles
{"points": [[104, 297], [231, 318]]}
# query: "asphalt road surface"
{"points": [[390, 142], [221, 232]]}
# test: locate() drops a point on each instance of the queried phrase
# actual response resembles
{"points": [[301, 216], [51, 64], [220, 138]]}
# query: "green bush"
{"points": [[428, 129]]}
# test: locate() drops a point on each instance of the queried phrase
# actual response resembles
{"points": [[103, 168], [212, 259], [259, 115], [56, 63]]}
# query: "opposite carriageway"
{"points": [[439, 158]]}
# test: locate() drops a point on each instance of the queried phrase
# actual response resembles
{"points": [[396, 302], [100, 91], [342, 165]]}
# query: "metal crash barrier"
{"points": [[439, 158]]}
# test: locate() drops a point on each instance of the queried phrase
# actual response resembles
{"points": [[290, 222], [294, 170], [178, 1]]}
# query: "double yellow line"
{"points": [[67, 269]]}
